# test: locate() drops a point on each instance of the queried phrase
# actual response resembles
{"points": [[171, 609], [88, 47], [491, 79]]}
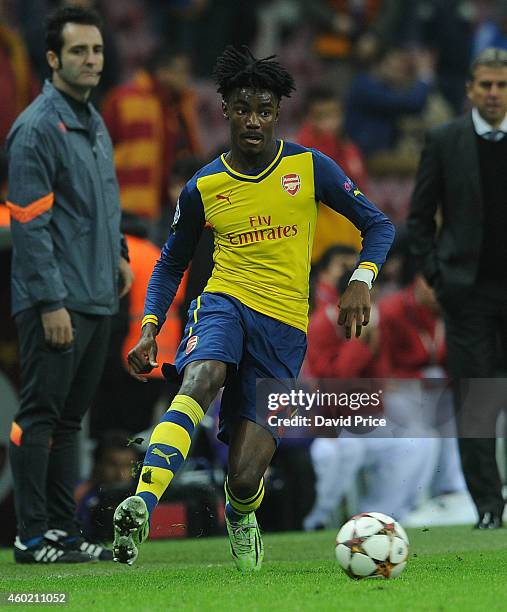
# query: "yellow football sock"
{"points": [[168, 449]]}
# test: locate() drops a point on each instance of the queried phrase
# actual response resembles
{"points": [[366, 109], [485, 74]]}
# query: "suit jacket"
{"points": [[447, 245]]}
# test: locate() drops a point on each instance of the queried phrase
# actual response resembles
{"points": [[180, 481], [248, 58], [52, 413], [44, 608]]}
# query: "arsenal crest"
{"points": [[291, 183], [191, 344]]}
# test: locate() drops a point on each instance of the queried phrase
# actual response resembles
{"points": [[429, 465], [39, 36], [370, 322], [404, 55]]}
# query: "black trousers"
{"points": [[57, 387], [476, 332]]}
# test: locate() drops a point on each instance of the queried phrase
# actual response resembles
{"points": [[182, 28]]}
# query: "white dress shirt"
{"points": [[484, 129]]}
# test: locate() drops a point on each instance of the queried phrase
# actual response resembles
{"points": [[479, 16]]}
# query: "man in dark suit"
{"points": [[463, 176]]}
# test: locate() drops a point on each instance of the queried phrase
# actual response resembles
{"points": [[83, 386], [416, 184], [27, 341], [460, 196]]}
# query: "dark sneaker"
{"points": [[80, 544], [48, 551], [95, 550], [489, 520]]}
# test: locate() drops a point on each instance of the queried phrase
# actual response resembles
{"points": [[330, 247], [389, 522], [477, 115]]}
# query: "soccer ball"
{"points": [[372, 545]]}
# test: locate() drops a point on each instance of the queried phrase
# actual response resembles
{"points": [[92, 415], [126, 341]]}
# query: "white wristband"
{"points": [[363, 275]]}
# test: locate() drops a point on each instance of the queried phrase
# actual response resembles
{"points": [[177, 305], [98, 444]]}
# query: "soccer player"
{"points": [[261, 199]]}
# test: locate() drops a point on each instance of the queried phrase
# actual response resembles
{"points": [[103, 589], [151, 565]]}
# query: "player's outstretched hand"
{"points": [[143, 357], [354, 308]]}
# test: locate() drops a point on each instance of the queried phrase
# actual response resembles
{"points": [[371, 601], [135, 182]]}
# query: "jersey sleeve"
{"points": [[176, 254], [334, 189]]}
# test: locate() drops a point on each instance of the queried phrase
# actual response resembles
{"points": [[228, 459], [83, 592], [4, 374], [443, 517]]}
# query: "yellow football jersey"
{"points": [[264, 225]]}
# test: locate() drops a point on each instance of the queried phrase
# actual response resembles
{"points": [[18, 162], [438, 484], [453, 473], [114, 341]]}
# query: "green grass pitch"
{"points": [[450, 568]]}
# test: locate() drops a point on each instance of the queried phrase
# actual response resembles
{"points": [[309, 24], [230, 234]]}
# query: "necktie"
{"points": [[494, 135]]}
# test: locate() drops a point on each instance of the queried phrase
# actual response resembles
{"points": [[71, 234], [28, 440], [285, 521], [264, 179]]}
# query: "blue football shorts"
{"points": [[254, 345]]}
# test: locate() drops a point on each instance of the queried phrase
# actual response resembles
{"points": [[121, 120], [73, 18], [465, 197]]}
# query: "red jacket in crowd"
{"points": [[411, 338], [330, 355], [412, 335], [150, 129]]}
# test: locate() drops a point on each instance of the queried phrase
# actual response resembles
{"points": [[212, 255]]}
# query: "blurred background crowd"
{"points": [[372, 77]]}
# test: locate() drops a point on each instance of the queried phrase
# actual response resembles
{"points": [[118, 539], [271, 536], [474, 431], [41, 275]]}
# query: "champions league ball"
{"points": [[372, 545]]}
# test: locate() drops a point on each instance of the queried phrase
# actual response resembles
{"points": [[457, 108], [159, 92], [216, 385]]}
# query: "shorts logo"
{"points": [[191, 344], [347, 185], [291, 183]]}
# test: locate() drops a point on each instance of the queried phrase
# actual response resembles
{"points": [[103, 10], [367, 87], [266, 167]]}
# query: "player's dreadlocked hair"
{"points": [[239, 68]]}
